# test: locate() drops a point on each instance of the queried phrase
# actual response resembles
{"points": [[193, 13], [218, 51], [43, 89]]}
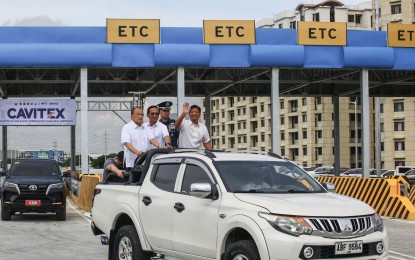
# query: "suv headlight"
{"points": [[54, 186], [292, 225], [11, 185], [377, 222]]}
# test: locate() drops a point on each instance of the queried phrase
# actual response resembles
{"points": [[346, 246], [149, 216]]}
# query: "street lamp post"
{"points": [[355, 130]]}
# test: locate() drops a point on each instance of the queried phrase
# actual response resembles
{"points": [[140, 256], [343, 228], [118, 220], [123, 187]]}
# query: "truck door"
{"points": [[195, 220], [156, 203]]}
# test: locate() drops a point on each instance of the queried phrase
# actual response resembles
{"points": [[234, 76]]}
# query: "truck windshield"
{"points": [[34, 168], [266, 177]]}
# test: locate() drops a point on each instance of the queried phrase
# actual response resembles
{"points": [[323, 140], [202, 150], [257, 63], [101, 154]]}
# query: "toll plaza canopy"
{"points": [[45, 61]]}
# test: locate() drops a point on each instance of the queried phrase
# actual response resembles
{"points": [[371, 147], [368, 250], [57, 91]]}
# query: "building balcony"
{"points": [[399, 135], [399, 155]]}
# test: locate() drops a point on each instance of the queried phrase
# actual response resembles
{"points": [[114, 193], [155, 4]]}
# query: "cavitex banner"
{"points": [[47, 112]]}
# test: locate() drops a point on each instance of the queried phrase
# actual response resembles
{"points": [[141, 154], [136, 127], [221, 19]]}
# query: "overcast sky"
{"points": [[172, 13]]}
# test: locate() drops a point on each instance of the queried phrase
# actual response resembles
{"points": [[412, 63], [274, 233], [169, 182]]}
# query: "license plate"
{"points": [[351, 247], [32, 203]]}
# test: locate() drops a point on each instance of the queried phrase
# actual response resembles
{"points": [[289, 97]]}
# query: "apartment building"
{"points": [[306, 123]]}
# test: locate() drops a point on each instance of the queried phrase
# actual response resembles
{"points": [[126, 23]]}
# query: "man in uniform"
{"points": [[164, 110]]}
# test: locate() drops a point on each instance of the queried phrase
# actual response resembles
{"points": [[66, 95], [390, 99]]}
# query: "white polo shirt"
{"points": [[159, 131], [137, 136], [193, 136]]}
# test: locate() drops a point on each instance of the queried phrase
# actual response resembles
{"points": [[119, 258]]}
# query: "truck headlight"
{"points": [[292, 225], [377, 222]]}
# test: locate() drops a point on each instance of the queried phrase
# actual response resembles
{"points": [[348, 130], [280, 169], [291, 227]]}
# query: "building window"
{"points": [[350, 18], [358, 18], [293, 25], [396, 9], [381, 108], [304, 101], [382, 146], [398, 107], [399, 126], [282, 105], [319, 134], [282, 120], [280, 25], [316, 17], [282, 136], [304, 134], [304, 151], [382, 127], [332, 14], [262, 123], [319, 117], [304, 116], [399, 146]]}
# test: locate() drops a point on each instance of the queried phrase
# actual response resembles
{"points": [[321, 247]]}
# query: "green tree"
{"points": [[99, 161]]}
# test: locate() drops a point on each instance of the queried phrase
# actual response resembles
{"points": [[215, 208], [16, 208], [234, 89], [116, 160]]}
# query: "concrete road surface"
{"points": [[40, 236]]}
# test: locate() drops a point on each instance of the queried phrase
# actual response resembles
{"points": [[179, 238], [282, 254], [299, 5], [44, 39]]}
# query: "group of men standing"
{"points": [[160, 131]]}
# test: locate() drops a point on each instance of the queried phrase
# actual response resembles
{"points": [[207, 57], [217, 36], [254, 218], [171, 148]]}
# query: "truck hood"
{"points": [[310, 204]]}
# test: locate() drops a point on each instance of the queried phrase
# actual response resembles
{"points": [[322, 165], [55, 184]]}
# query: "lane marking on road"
{"points": [[400, 220], [397, 257], [400, 254], [80, 213]]}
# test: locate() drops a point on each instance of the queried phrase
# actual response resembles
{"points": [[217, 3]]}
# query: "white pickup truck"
{"points": [[196, 204]]}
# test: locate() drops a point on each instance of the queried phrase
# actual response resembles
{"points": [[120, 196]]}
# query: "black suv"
{"points": [[33, 185]]}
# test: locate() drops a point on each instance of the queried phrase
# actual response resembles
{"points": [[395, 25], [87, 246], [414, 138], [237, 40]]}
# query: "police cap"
{"points": [[166, 105]]}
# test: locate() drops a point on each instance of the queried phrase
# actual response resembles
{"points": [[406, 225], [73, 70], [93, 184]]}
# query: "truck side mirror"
{"points": [[203, 190], [330, 187]]}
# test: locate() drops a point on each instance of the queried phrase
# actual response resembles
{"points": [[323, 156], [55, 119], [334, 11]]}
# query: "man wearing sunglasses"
{"points": [[158, 129], [164, 109]]}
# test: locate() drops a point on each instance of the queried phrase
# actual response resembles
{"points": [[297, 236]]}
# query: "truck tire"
{"points": [[127, 245], [61, 215], [242, 250], [5, 215]]}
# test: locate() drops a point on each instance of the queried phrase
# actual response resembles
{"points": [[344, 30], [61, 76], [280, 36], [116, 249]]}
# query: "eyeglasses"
{"points": [[154, 114], [138, 114]]}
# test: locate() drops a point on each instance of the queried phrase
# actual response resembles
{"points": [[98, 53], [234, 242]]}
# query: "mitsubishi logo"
{"points": [[32, 187], [345, 225], [347, 228]]}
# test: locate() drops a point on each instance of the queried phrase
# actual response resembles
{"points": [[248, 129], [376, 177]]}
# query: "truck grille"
{"points": [[40, 189], [341, 227]]}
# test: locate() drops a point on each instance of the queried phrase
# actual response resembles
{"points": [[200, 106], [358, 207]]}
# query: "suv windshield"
{"points": [[266, 177], [32, 168]]}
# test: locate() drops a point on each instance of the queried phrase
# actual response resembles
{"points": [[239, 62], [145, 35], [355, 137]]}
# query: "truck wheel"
{"points": [[5, 215], [127, 245], [61, 215], [242, 250]]}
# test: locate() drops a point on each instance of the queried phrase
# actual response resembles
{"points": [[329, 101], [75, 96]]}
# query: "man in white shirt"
{"points": [[158, 129], [136, 138], [192, 133]]}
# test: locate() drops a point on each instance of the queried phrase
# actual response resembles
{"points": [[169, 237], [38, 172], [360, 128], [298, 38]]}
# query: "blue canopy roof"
{"points": [[87, 47]]}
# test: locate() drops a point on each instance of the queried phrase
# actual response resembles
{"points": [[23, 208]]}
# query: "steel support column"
{"points": [[365, 120], [4, 140], [180, 90], [336, 135], [275, 113], [84, 121]]}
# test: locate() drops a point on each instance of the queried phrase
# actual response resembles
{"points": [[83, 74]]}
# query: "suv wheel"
{"points": [[127, 245], [5, 215], [61, 215], [242, 250]]}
